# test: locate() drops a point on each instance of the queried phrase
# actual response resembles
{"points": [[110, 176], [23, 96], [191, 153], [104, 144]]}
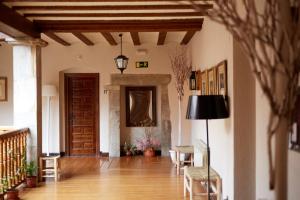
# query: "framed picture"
{"points": [[198, 80], [204, 83], [140, 106], [294, 137], [222, 78], [3, 89], [142, 64], [212, 81]]}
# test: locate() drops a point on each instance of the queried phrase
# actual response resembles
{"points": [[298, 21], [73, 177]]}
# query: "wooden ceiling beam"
{"points": [[135, 38], [119, 25], [83, 38], [187, 37], [162, 14], [15, 25], [109, 38], [66, 1], [161, 38], [57, 39], [112, 7]]}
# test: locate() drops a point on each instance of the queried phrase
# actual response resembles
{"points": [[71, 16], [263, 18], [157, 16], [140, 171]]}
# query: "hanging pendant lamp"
{"points": [[121, 61]]}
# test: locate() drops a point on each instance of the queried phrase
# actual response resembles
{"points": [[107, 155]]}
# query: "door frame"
{"points": [[67, 117]]}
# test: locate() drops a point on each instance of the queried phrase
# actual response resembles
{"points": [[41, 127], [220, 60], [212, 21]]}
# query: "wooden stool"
{"points": [[49, 167], [199, 174]]}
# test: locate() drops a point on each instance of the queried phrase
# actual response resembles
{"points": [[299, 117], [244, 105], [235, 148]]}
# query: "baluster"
{"points": [[24, 151], [4, 161], [1, 159], [22, 154], [15, 161], [19, 166], [12, 170], [1, 166], [8, 163]]}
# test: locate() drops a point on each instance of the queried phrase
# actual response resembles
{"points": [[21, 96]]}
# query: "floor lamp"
{"points": [[48, 91], [207, 107]]}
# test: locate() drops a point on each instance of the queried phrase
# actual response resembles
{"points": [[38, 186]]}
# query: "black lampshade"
{"points": [[207, 107]]}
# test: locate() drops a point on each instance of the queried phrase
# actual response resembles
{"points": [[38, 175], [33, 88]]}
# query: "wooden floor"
{"points": [[126, 178]]}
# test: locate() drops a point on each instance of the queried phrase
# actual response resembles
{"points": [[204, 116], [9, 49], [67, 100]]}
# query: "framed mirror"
{"points": [[140, 106]]}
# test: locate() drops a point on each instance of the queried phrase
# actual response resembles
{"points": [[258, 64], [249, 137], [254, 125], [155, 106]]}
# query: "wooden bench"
{"points": [[199, 174], [193, 175]]}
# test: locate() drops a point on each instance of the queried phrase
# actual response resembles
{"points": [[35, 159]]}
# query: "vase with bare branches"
{"points": [[269, 33], [182, 69]]}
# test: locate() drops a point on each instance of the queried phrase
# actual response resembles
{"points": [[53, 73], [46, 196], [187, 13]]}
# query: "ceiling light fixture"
{"points": [[121, 61]]}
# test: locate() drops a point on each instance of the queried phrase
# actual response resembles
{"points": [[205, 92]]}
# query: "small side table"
{"points": [[183, 149], [49, 167]]}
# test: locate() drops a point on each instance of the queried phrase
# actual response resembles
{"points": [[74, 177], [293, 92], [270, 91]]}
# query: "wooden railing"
{"points": [[12, 158]]}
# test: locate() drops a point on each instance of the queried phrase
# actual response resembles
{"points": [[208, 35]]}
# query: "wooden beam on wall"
{"points": [[161, 38], [119, 25], [188, 36], [15, 25], [109, 38], [135, 38], [83, 38], [112, 7], [57, 39], [161, 14]]}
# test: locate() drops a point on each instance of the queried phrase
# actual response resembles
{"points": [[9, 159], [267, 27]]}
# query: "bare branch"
{"points": [[181, 68]]}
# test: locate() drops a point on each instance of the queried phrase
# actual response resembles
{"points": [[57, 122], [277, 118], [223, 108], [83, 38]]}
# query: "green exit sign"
{"points": [[142, 64]]}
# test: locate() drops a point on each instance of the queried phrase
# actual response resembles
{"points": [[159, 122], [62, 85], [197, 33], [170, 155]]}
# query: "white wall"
{"points": [[209, 47], [99, 59], [6, 70]]}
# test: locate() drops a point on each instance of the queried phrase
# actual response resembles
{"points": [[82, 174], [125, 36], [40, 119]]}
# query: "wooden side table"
{"points": [[49, 167], [183, 149]]}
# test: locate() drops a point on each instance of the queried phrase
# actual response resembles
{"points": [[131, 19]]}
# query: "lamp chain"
{"points": [[121, 42]]}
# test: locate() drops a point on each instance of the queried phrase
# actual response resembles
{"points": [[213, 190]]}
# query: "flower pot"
{"points": [[128, 153], [149, 152], [12, 194], [31, 181]]}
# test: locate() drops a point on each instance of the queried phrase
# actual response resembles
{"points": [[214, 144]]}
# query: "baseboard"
{"points": [[62, 154], [104, 154], [51, 154]]}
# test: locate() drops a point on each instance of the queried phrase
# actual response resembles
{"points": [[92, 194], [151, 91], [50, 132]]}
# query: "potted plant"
{"points": [[148, 144], [12, 193], [31, 170], [129, 149]]}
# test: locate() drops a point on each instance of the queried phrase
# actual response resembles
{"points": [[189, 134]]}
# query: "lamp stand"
{"points": [[48, 124], [208, 160]]}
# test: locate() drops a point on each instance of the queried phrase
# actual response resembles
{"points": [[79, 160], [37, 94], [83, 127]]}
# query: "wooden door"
{"points": [[82, 114]]}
